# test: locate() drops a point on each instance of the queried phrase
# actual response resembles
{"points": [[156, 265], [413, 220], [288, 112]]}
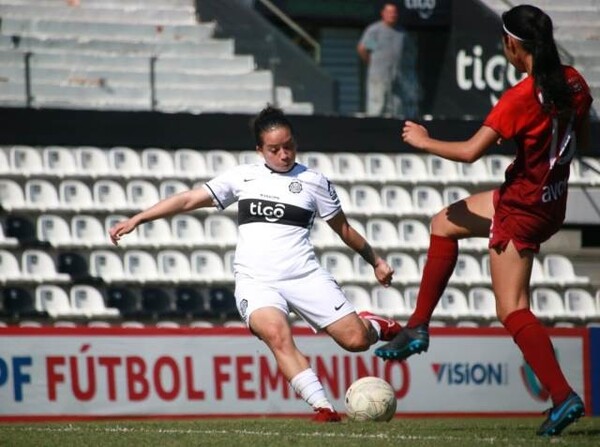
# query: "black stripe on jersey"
{"points": [[214, 196], [255, 210]]}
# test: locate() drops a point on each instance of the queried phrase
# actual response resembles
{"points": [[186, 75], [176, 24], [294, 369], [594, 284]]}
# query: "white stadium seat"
{"points": [[25, 161], [141, 194], [453, 194], [475, 173], [54, 300], [109, 196], [413, 234], [157, 163], [59, 161], [359, 297], [396, 200], [220, 230], [107, 265], [559, 270], [547, 303], [467, 270], [190, 163], [382, 233], [156, 233], [173, 266], [380, 168], [363, 271], [338, 264], [11, 195], [405, 267], [124, 161], [140, 266], [319, 162], [88, 301], [579, 303], [219, 161], [348, 166], [186, 230], [411, 168], [88, 231], [206, 266], [452, 304], [38, 266], [9, 267], [441, 169], [41, 195], [482, 302], [426, 200], [168, 188], [389, 302], [53, 229], [365, 200], [496, 166], [91, 161], [75, 195]]}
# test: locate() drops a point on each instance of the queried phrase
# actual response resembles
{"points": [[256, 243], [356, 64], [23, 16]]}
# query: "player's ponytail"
{"points": [[269, 118], [533, 28]]}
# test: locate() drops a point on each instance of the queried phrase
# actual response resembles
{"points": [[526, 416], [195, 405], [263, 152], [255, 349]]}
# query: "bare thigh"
{"points": [[511, 272], [470, 217]]}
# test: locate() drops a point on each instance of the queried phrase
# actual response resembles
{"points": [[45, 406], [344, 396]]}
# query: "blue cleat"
{"points": [[562, 415], [407, 342]]}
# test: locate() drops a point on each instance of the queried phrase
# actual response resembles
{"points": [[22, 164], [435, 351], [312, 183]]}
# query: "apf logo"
{"points": [[473, 72], [424, 8], [532, 384], [271, 213], [471, 373]]}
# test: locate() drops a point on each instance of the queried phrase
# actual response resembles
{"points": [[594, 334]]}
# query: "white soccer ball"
{"points": [[370, 399]]}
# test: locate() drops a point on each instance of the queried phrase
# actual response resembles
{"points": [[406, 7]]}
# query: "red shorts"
{"points": [[525, 230]]}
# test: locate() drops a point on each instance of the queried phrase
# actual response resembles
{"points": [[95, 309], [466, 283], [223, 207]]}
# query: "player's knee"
{"points": [[356, 342]]}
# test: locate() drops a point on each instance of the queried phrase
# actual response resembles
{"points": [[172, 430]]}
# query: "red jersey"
{"points": [[536, 182]]}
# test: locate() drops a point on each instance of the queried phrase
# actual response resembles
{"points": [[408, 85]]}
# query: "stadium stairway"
{"points": [[127, 55], [577, 31]]}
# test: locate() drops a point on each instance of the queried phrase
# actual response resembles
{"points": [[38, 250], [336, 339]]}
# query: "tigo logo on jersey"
{"points": [[271, 212], [471, 373]]}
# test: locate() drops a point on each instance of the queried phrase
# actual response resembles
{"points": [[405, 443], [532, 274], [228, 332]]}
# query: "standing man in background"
{"points": [[389, 54]]}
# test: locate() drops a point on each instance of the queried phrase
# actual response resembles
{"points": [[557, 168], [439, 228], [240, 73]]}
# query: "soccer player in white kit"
{"points": [[275, 266]]}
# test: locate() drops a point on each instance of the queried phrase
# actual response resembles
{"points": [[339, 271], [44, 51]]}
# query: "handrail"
{"points": [[295, 27]]}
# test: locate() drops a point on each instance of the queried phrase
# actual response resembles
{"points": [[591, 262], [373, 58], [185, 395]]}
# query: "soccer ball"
{"points": [[370, 399]]}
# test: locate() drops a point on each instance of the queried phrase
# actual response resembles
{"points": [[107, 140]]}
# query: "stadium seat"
{"points": [[74, 265], [345, 200], [130, 239], [11, 195], [88, 301], [124, 162], [482, 302], [59, 161], [222, 303], [157, 163], [559, 270], [410, 297], [107, 265], [207, 266], [547, 303], [187, 231], [228, 265], [140, 266], [141, 194], [168, 188], [5, 167], [474, 173], [413, 234], [379, 168], [358, 227], [219, 161], [442, 170], [474, 243], [88, 231], [55, 301], [363, 271], [220, 230], [579, 303], [249, 157], [203, 324], [411, 168], [18, 303], [25, 161], [91, 161], [338, 264], [173, 266], [192, 302], [426, 200], [382, 233], [453, 194], [589, 170], [22, 228], [9, 267], [406, 270], [453, 304], [38, 266], [127, 300], [41, 195], [319, 162], [359, 297], [467, 270], [6, 241], [190, 163], [389, 302], [54, 230], [538, 277], [365, 199], [157, 303], [109, 196], [395, 200], [496, 166], [348, 166], [156, 233], [76, 196]]}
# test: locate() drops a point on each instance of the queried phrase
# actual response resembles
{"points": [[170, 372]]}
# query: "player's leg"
{"points": [[357, 332], [470, 217], [511, 272]]}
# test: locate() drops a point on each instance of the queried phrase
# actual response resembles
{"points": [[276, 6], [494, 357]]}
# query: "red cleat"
{"points": [[389, 327], [326, 415]]}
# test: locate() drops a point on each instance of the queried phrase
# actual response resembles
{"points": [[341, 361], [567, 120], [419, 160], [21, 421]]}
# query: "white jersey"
{"points": [[275, 214]]}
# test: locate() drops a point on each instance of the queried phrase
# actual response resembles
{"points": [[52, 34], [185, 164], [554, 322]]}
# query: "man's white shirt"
{"points": [[275, 214]]}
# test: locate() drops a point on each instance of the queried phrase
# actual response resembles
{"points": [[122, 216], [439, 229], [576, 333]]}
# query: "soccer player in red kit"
{"points": [[547, 115]]}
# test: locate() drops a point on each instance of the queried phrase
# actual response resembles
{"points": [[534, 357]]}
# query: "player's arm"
{"points": [[353, 239], [178, 203], [464, 151], [363, 53]]}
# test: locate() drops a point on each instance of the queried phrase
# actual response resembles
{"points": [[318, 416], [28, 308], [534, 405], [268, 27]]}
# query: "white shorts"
{"points": [[316, 298]]}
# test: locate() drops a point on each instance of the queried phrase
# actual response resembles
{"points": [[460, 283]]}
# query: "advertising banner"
{"points": [[595, 367], [66, 373]]}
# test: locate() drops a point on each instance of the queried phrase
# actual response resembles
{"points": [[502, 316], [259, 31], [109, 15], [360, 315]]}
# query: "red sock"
{"points": [[441, 260], [534, 342]]}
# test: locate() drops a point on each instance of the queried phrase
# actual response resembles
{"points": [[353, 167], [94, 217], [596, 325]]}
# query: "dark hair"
{"points": [[534, 29], [269, 118]]}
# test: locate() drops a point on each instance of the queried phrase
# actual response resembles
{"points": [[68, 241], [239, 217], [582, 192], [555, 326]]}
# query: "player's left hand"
{"points": [[384, 273], [414, 134]]}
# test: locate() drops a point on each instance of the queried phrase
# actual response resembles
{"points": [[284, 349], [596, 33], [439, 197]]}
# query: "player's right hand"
{"points": [[121, 228]]}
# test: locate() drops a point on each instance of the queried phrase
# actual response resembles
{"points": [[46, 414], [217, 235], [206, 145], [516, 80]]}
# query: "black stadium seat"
{"points": [[20, 303], [222, 303], [192, 302]]}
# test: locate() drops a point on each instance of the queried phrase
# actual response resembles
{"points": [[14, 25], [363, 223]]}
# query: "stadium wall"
{"points": [[90, 373]]}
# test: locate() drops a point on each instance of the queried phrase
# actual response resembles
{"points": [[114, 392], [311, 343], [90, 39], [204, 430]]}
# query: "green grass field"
{"points": [[428, 432]]}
